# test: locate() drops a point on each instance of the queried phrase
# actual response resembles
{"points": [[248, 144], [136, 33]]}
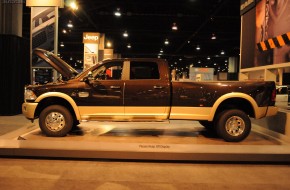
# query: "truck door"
{"points": [[147, 96], [105, 99]]}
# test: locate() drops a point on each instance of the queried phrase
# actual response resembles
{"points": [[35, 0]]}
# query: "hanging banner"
{"points": [[272, 33], [42, 31], [246, 5]]}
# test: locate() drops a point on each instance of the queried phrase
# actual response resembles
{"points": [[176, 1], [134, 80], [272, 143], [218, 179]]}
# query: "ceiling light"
{"points": [[73, 5], [129, 46], [109, 44], [174, 27], [70, 25], [222, 52], [197, 47], [208, 58], [161, 51], [117, 13], [125, 34], [166, 42], [61, 44], [213, 36], [64, 31]]}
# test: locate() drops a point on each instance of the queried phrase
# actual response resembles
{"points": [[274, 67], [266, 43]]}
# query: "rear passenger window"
{"points": [[144, 70]]}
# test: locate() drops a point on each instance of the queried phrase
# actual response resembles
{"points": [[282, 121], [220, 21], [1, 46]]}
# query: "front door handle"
{"points": [[115, 87], [157, 87]]}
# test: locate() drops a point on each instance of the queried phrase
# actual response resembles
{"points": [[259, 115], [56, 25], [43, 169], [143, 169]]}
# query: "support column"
{"points": [[11, 18]]}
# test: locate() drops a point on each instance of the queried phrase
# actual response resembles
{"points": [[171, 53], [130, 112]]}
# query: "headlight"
{"points": [[29, 95]]}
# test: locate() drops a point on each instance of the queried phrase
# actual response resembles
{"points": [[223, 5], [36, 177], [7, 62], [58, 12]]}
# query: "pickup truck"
{"points": [[141, 89]]}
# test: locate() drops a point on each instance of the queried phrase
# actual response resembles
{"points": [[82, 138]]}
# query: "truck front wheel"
{"points": [[55, 121], [233, 125]]}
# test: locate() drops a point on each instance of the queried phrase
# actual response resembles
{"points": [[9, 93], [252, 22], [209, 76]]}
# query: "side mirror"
{"points": [[88, 78]]}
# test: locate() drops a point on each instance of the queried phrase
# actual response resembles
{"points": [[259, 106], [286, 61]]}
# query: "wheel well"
{"points": [[236, 103], [53, 101]]}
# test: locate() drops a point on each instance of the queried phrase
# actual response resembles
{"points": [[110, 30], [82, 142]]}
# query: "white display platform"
{"points": [[177, 140]]}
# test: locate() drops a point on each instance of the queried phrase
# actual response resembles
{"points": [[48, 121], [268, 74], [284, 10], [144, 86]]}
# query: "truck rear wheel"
{"points": [[55, 121], [233, 125]]}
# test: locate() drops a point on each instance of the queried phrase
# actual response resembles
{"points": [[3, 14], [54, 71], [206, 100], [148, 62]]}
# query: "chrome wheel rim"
{"points": [[55, 121], [235, 126]]}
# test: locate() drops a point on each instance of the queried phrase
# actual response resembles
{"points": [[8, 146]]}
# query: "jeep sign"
{"points": [[91, 37]]}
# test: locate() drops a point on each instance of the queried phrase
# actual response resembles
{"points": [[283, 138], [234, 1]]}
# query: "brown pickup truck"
{"points": [[142, 90]]}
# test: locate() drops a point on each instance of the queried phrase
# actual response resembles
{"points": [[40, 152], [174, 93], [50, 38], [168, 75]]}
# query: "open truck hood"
{"points": [[57, 63]]}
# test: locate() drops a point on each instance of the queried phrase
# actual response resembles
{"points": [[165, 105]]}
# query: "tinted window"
{"points": [[144, 70]]}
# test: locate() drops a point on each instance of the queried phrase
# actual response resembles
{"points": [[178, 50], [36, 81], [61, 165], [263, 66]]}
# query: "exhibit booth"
{"points": [[264, 56]]}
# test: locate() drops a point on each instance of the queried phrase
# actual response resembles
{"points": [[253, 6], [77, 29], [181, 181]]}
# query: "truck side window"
{"points": [[144, 70], [109, 71]]}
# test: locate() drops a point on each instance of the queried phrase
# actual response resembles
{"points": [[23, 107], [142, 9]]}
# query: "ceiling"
{"points": [[149, 23]]}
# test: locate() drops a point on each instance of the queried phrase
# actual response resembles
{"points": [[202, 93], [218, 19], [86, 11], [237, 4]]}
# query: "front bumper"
{"points": [[28, 109]]}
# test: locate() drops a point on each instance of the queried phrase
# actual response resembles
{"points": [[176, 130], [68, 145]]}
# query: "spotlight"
{"points": [[118, 13], [70, 25], [125, 34], [166, 42], [174, 27]]}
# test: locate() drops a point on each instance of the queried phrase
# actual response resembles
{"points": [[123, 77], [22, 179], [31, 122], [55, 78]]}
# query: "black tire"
{"points": [[55, 121], [209, 125], [75, 124], [233, 125]]}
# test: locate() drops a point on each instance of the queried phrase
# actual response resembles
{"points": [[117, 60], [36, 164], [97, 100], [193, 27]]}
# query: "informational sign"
{"points": [[90, 55], [91, 48]]}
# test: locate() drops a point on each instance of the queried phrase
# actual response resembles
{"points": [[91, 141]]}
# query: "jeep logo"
{"points": [[91, 37]]}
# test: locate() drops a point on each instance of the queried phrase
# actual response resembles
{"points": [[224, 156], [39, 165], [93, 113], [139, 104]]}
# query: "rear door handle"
{"points": [[157, 87], [115, 87]]}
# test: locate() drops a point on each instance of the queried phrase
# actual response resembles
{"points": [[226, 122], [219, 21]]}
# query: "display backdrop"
{"points": [[269, 36]]}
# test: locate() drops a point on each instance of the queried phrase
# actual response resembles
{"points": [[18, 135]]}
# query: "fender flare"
{"points": [[61, 95], [224, 97]]}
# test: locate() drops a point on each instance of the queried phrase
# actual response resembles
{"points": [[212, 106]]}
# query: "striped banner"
{"points": [[275, 42]]}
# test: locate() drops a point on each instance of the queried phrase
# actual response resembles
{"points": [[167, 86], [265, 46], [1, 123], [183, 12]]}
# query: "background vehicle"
{"points": [[142, 90]]}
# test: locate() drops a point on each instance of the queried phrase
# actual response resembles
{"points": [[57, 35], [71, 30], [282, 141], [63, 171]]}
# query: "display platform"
{"points": [[175, 140]]}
